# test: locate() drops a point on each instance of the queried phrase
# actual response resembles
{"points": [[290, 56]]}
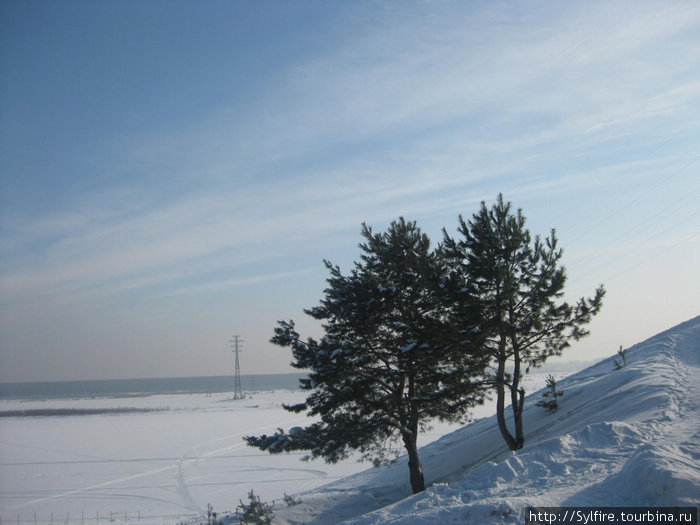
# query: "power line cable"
{"points": [[646, 241], [651, 219], [657, 254], [620, 209]]}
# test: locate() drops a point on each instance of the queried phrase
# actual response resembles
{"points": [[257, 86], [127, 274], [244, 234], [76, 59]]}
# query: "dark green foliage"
{"points": [[390, 358], [412, 334], [550, 396], [517, 284], [255, 512]]}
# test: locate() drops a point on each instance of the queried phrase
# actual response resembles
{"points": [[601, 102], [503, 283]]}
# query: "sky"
{"points": [[173, 173]]}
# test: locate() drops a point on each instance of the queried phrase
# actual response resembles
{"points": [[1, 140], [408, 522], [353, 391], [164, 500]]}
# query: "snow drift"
{"points": [[621, 437]]}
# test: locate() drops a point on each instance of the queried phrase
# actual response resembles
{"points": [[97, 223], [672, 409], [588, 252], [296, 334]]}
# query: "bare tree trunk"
{"points": [[517, 398], [519, 436], [500, 405], [414, 466]]}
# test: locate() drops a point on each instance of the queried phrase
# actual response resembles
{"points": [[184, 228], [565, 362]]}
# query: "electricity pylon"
{"points": [[235, 344]]}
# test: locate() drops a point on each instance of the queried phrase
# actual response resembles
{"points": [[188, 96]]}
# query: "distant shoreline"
{"points": [[121, 388], [60, 412]]}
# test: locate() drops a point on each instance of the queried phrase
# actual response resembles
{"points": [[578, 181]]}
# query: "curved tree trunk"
{"points": [[501, 404]]}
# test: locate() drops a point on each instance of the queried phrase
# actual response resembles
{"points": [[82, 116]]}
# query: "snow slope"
{"points": [[622, 437]]}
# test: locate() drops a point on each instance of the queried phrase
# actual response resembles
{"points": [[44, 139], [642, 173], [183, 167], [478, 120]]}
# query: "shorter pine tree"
{"points": [[516, 283]]}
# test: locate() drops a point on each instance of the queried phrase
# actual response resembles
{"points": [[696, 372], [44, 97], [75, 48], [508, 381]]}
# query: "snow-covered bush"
{"points": [[255, 512]]}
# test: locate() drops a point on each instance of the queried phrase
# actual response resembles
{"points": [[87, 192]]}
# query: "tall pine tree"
{"points": [[388, 361], [516, 285]]}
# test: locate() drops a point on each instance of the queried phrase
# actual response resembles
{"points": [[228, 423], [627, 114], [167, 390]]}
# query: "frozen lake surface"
{"points": [[162, 464]]}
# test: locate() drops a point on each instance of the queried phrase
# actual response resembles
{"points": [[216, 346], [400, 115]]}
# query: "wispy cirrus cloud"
{"points": [[420, 110]]}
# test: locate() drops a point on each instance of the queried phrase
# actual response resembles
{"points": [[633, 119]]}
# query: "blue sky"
{"points": [[173, 173]]}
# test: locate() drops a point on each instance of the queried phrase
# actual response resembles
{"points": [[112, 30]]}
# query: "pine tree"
{"points": [[388, 361], [550, 404], [517, 286]]}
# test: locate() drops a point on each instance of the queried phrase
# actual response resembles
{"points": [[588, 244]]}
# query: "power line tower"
{"points": [[236, 344]]}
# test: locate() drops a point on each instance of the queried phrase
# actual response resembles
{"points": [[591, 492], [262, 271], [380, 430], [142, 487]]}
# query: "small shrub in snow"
{"points": [[256, 512], [550, 396], [622, 354], [211, 516], [290, 500]]}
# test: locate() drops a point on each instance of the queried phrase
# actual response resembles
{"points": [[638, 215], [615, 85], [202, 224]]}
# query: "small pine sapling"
{"points": [[256, 512], [623, 355], [550, 404]]}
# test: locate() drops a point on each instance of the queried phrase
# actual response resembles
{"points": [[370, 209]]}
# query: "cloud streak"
{"points": [[440, 76]]}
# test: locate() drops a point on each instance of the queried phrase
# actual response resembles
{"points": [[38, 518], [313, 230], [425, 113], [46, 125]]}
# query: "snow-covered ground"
{"points": [[620, 437], [627, 437], [154, 467], [161, 466]]}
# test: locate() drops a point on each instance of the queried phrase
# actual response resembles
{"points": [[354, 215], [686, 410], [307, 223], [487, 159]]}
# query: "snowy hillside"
{"points": [[620, 438]]}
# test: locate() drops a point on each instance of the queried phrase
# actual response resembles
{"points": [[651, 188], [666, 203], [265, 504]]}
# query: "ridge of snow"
{"points": [[627, 437]]}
